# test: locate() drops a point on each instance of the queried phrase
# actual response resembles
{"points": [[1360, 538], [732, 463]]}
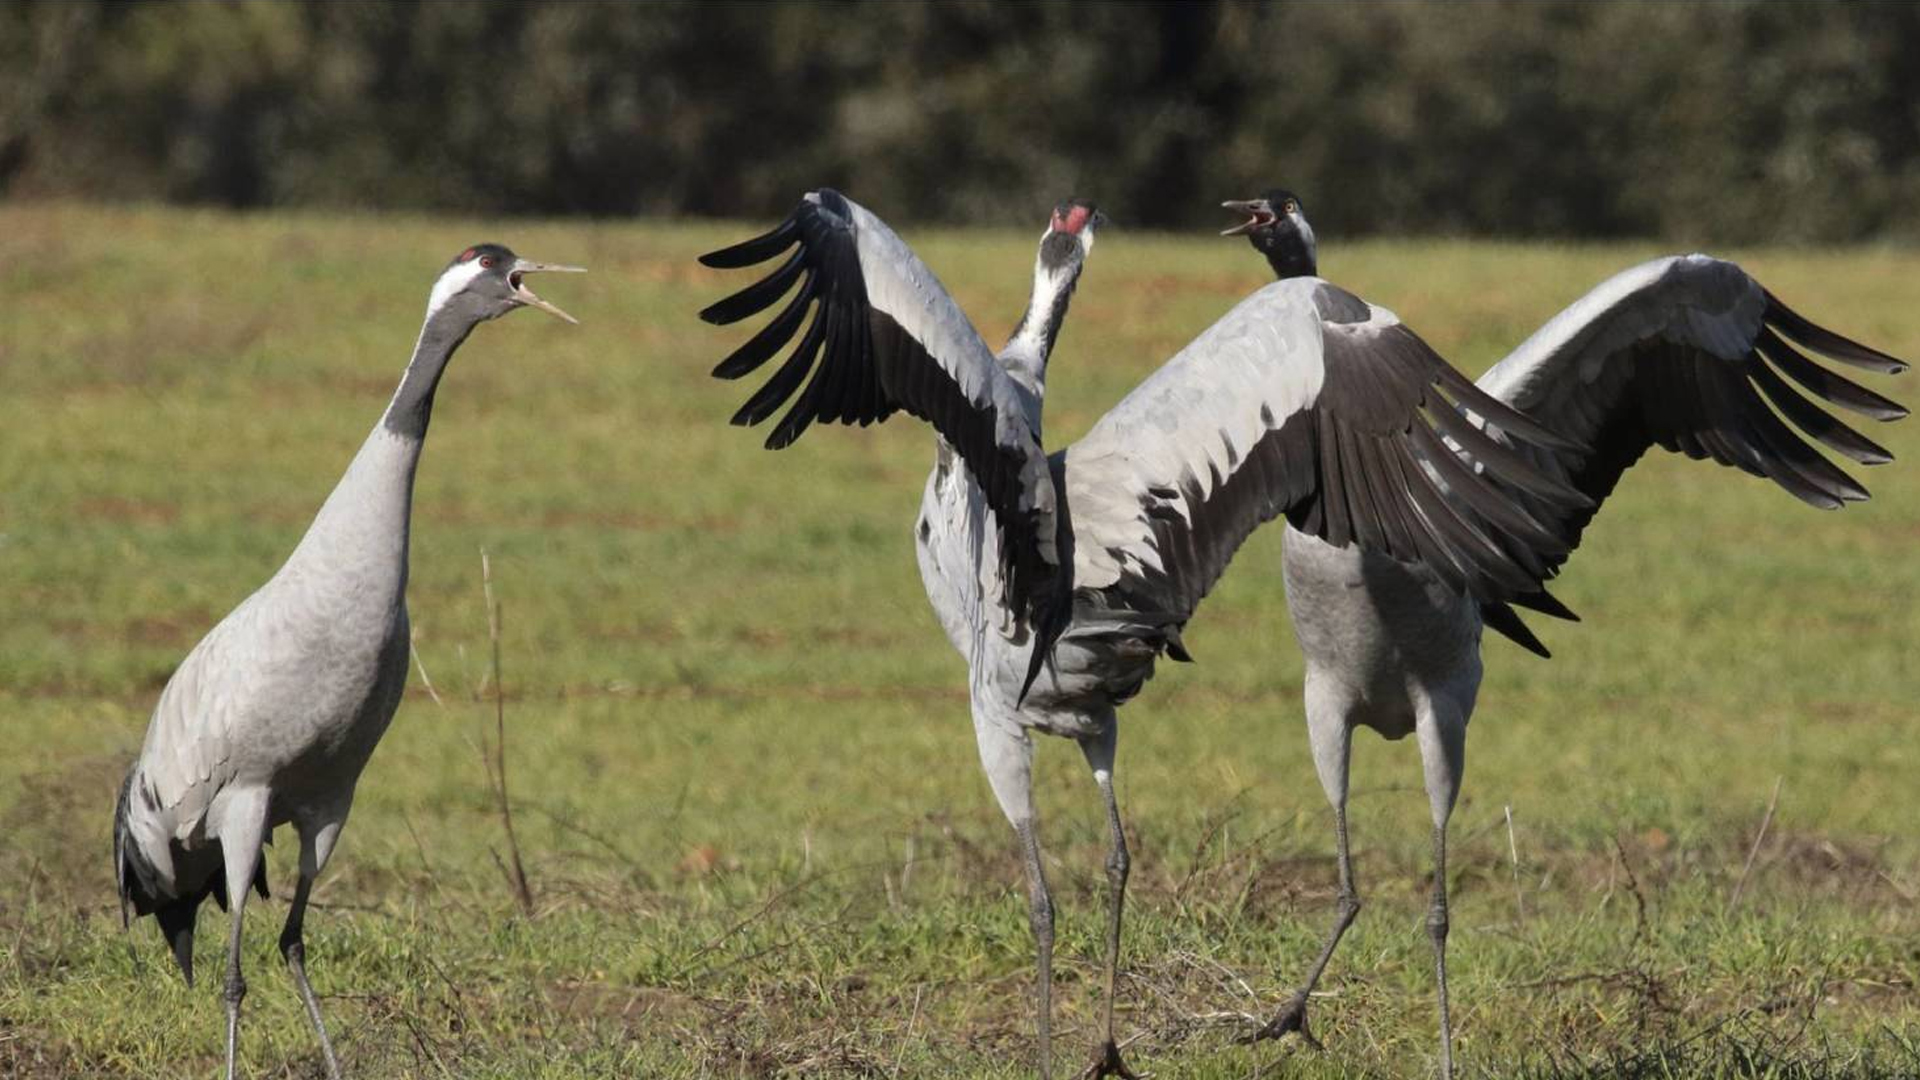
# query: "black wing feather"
{"points": [[864, 366], [1827, 343]]}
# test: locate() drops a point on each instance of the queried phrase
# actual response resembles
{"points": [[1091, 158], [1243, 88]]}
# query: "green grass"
{"points": [[744, 780]]}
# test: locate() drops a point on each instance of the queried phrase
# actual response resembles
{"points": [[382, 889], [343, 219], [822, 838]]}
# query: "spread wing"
{"points": [[1305, 401], [1687, 353], [880, 334]]}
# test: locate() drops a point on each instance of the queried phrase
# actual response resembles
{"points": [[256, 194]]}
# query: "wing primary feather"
{"points": [[873, 399], [1506, 516], [1401, 473], [1333, 488], [783, 383], [1827, 485], [1825, 384], [1481, 559], [1827, 343], [808, 406], [771, 337], [1368, 519], [1812, 419], [757, 250], [1500, 617], [1707, 414], [1504, 462], [1401, 530], [758, 296], [1720, 388], [1545, 603], [1497, 412]]}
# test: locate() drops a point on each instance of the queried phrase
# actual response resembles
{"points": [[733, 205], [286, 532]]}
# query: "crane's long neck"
{"points": [[1292, 252], [412, 404], [1026, 352], [362, 530]]}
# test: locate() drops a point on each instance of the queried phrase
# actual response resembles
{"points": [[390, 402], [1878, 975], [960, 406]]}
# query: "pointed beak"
{"points": [[1257, 211], [522, 267]]}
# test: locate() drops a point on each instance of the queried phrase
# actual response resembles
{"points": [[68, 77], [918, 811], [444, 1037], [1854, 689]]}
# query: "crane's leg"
{"points": [[1099, 751], [1332, 738], [1442, 728], [316, 846], [243, 828], [1006, 753]]}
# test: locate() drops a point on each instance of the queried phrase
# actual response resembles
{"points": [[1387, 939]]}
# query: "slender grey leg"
{"points": [[1006, 755], [1437, 930], [1332, 739], [240, 838], [1099, 753], [294, 949], [1293, 1016], [236, 984], [1443, 752], [1040, 916]]}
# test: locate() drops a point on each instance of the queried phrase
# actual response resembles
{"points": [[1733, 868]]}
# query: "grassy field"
{"points": [[741, 766]]}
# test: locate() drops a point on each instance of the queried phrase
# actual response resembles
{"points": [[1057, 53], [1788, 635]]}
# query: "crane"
{"points": [[1061, 578], [1683, 352], [273, 715]]}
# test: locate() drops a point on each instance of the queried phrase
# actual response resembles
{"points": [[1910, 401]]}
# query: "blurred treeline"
{"points": [[1728, 122]]}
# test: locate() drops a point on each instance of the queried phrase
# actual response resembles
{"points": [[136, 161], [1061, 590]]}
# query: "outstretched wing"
{"points": [[880, 334], [1307, 401], [1686, 353]]}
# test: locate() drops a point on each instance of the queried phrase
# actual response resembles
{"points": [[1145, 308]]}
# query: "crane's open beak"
{"points": [[525, 295], [1259, 212]]}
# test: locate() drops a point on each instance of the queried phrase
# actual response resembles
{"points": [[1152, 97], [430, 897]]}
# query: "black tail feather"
{"points": [[1504, 619], [176, 925], [140, 892], [1546, 603]]}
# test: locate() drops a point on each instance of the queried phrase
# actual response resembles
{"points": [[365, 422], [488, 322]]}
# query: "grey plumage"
{"points": [[1278, 408], [1684, 353], [273, 715]]}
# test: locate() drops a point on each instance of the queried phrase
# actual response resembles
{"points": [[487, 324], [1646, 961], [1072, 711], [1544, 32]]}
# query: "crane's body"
{"points": [[1380, 633], [1676, 352], [273, 716]]}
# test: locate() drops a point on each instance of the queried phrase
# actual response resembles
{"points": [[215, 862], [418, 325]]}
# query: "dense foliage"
{"points": [[1737, 122]]}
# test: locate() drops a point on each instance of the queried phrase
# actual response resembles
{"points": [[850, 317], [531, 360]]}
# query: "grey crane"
{"points": [[1061, 579], [273, 715], [1682, 352]]}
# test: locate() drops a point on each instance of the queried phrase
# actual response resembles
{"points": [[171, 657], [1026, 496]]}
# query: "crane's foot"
{"points": [[1106, 1062], [1291, 1018]]}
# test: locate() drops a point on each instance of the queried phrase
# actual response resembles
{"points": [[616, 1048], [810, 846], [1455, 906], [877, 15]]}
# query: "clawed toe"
{"points": [[1291, 1018], [1106, 1062]]}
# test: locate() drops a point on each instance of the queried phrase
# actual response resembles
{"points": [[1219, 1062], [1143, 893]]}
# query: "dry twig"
{"points": [[1753, 852], [513, 868]]}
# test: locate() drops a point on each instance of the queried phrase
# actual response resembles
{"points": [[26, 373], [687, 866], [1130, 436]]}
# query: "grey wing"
{"points": [[1686, 353], [190, 750], [1308, 402], [887, 336]]}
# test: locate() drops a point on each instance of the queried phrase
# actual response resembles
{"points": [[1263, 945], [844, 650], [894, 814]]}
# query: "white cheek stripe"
{"points": [[457, 277]]}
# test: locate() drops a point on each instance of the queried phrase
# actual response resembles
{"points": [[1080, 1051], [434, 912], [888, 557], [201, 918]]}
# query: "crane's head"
{"points": [[486, 281], [1276, 226], [1056, 270], [1069, 236]]}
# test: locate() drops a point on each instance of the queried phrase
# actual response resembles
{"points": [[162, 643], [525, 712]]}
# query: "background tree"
{"points": [[1736, 122]]}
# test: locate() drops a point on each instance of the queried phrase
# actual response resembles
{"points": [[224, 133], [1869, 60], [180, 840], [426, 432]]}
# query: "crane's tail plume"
{"points": [[141, 887]]}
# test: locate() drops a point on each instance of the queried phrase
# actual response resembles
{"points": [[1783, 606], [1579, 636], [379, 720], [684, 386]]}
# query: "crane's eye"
{"points": [[1289, 206], [486, 262]]}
